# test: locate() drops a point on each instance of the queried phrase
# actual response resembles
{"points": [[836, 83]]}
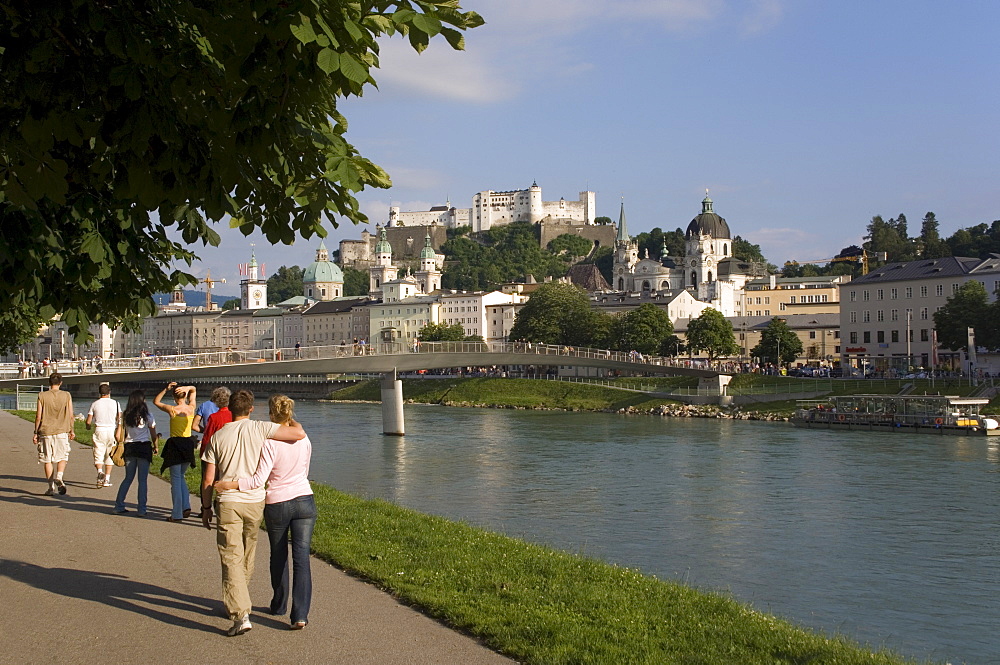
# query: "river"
{"points": [[888, 539]]}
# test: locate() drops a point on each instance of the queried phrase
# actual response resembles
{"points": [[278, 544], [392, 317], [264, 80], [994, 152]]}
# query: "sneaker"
{"points": [[50, 492], [107, 482], [61, 486], [100, 479], [299, 625], [240, 626]]}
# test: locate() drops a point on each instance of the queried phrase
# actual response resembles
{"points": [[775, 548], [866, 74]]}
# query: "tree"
{"points": [[555, 314], [966, 308], [778, 343], [285, 283], [570, 246], [232, 303], [356, 282], [643, 329], [713, 334], [128, 129], [442, 332], [604, 221]]}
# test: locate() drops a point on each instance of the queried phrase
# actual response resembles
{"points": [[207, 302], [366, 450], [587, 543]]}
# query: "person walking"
{"points": [[140, 446], [178, 451], [289, 508], [234, 453], [104, 416], [53, 432]]}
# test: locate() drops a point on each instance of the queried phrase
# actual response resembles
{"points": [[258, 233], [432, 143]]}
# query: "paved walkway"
{"points": [[80, 585]]}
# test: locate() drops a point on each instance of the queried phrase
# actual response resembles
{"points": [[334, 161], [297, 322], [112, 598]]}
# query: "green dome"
{"points": [[323, 271], [382, 246], [427, 252]]}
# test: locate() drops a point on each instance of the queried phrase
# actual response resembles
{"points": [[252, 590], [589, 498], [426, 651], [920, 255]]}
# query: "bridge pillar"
{"points": [[392, 404]]}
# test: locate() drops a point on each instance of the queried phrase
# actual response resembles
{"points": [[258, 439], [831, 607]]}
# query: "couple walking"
{"points": [[242, 456]]}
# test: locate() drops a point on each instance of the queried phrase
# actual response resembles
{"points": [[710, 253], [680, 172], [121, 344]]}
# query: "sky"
{"points": [[802, 118]]}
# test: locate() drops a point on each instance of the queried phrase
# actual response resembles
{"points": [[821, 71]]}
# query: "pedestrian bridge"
{"points": [[356, 358]]}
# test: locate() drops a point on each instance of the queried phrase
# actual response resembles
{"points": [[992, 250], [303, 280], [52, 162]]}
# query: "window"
{"points": [[867, 337], [894, 335], [939, 289], [923, 313], [792, 300], [854, 317], [894, 315], [864, 295], [924, 335], [880, 336], [812, 334], [893, 293], [954, 287], [854, 296], [909, 292], [878, 294], [854, 338], [923, 291], [880, 315], [866, 316]]}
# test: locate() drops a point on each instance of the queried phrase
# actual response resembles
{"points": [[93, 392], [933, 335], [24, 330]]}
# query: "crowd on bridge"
{"points": [[238, 457]]}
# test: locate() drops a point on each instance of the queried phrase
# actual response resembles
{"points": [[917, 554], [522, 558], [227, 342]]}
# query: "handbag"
{"points": [[118, 454]]}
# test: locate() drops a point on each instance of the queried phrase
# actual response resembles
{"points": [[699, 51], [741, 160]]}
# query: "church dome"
{"points": [[322, 270], [708, 223]]}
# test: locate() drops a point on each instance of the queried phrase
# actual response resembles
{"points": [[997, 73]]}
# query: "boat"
{"points": [[932, 414]]}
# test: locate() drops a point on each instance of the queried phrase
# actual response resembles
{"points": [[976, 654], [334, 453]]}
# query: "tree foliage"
{"points": [[644, 329], [285, 283], [232, 303], [967, 308], [128, 129], [713, 334], [651, 243], [778, 343], [356, 282], [570, 246], [503, 254], [442, 332], [556, 314]]}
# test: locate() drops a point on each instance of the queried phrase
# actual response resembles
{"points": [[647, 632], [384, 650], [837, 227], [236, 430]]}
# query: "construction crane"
{"points": [[861, 258], [209, 283]]}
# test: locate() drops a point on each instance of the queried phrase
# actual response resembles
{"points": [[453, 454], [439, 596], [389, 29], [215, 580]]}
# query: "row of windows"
{"points": [[923, 290], [925, 314], [894, 336]]}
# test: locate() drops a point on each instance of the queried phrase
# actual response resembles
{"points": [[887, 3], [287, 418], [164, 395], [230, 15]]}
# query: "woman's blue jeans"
{"points": [[133, 466], [179, 494], [295, 517]]}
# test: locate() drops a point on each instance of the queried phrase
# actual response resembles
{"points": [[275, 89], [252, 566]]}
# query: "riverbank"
{"points": [[541, 605]]}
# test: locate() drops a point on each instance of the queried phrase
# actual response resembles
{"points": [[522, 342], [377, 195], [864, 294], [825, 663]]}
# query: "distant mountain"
{"points": [[193, 298]]}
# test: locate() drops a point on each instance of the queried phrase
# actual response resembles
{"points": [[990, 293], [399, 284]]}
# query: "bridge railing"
{"points": [[533, 354]]}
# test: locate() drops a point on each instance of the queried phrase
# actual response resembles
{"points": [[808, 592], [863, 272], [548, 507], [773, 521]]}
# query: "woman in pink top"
{"points": [[288, 508]]}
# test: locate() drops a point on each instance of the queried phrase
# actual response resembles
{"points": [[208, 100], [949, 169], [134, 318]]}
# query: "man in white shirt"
{"points": [[104, 415], [232, 454]]}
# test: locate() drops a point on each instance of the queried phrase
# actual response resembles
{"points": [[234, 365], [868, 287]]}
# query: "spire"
{"points": [[383, 246], [663, 250], [623, 236], [427, 252], [706, 203]]}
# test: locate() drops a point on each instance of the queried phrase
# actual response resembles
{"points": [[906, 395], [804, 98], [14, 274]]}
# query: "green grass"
{"points": [[507, 393], [543, 606]]}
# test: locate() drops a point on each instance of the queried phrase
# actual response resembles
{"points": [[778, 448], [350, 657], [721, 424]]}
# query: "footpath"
{"points": [[81, 585]]}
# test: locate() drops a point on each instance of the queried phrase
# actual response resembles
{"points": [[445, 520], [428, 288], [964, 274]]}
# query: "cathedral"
{"points": [[708, 269]]}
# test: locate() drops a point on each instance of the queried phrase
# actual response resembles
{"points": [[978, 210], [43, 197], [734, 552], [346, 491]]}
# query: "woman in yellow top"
{"points": [[178, 452]]}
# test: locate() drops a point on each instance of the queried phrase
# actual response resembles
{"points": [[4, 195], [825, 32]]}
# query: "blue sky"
{"points": [[803, 118]]}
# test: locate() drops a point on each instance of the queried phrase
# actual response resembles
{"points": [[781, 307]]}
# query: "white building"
{"points": [[490, 208], [333, 322], [489, 315], [887, 316]]}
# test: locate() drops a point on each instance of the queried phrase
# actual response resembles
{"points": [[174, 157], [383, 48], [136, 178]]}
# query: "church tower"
{"points": [[323, 279], [383, 270], [253, 289], [706, 243], [428, 276], [626, 255]]}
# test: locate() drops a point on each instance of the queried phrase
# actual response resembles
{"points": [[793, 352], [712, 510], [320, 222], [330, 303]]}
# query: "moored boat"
{"points": [[932, 414]]}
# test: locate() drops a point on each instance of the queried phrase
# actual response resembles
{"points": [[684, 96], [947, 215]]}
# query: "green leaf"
{"points": [[304, 31], [352, 69], [93, 245], [426, 24], [328, 60]]}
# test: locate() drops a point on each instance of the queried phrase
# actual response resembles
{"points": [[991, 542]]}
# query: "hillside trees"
{"points": [[356, 282], [128, 129], [285, 283], [502, 254], [569, 246]]}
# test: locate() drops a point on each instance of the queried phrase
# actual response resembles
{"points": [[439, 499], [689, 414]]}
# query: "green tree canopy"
{"points": [[570, 246], [966, 308], [502, 254], [442, 332], [778, 343], [127, 129], [285, 283], [713, 334], [555, 313], [643, 329], [232, 303], [356, 282]]}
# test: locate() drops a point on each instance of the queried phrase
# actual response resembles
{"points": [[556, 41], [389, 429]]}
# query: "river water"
{"points": [[889, 539]]}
